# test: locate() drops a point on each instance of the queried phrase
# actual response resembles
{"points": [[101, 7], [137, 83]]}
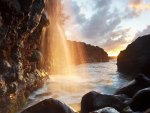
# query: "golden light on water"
{"points": [[60, 56]]}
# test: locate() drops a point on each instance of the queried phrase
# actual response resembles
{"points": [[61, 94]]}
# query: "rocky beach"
{"points": [[33, 47]]}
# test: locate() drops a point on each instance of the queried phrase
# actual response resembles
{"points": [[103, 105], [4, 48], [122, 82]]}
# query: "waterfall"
{"points": [[54, 45]]}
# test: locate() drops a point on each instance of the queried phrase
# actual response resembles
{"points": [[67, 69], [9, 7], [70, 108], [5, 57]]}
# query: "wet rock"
{"points": [[33, 80], [3, 33], [4, 66], [30, 80], [25, 5], [19, 21], [141, 100], [35, 15], [44, 19], [136, 57], [16, 54], [36, 56], [106, 110], [10, 76], [140, 82], [49, 106], [94, 101], [3, 88], [1, 20], [12, 4], [12, 88]]}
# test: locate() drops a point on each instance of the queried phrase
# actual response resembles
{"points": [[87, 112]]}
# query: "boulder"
{"points": [[136, 57], [49, 106], [140, 82], [141, 100], [106, 110], [93, 101], [35, 56], [147, 111]]}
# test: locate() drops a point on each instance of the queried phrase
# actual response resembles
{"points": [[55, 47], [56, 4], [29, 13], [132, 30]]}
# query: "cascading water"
{"points": [[54, 44], [71, 82]]}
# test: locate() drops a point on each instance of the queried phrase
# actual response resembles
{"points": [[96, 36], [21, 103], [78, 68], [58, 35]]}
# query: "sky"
{"points": [[110, 24]]}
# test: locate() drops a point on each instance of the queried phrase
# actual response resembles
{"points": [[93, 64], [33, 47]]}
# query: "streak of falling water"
{"points": [[57, 54], [71, 82]]}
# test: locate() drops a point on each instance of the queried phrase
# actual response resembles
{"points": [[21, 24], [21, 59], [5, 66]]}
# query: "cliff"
{"points": [[31, 38], [86, 53], [136, 57], [21, 23]]}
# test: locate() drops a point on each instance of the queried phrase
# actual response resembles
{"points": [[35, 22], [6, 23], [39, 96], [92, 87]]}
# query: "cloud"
{"points": [[117, 39], [129, 13], [146, 31], [101, 22], [139, 5], [102, 27], [76, 10], [136, 2]]}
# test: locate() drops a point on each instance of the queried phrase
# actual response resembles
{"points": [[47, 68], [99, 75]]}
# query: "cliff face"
{"points": [[136, 57], [86, 53], [32, 39], [21, 23]]}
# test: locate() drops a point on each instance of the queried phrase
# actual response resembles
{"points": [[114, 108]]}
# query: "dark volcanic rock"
{"points": [[136, 57], [4, 66], [3, 88], [140, 82], [12, 88], [94, 101], [106, 110], [49, 106], [21, 25], [35, 56], [147, 111], [141, 100]]}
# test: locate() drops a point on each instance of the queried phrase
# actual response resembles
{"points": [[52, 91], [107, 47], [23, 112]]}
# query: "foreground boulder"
{"points": [[140, 82], [49, 106], [141, 100], [93, 101], [136, 57], [106, 110], [147, 111]]}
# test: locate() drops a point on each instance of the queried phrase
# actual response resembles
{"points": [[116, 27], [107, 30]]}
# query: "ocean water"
{"points": [[69, 88]]}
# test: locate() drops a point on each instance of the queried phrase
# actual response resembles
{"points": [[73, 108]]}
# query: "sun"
{"points": [[113, 53]]}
